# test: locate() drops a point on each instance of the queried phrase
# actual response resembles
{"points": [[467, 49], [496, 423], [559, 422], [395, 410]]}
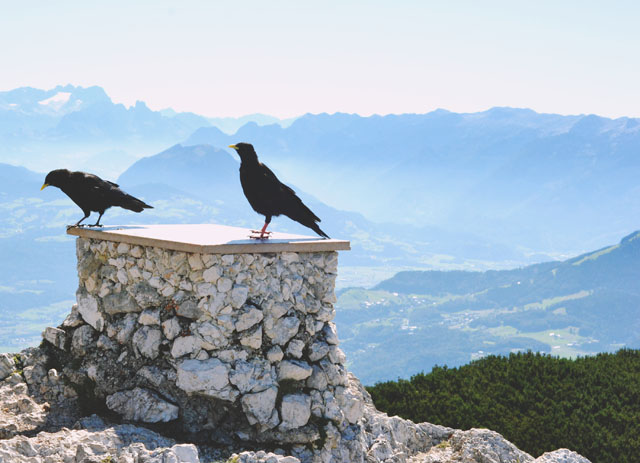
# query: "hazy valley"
{"points": [[501, 189]]}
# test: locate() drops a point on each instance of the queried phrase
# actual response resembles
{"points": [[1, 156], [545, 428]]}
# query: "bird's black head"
{"points": [[245, 151], [57, 178]]}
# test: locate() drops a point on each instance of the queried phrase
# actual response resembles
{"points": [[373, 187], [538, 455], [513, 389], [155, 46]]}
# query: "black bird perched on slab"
{"points": [[268, 195], [92, 193]]}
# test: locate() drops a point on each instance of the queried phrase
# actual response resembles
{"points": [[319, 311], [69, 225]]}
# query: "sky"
{"points": [[286, 58]]}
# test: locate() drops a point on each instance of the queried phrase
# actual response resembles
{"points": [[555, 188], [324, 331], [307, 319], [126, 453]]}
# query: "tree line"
{"points": [[539, 402]]}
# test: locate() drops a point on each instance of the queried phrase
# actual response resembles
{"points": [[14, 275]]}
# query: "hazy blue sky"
{"points": [[229, 58]]}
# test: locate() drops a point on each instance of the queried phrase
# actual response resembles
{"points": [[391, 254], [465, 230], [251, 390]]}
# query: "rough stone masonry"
{"points": [[234, 349]]}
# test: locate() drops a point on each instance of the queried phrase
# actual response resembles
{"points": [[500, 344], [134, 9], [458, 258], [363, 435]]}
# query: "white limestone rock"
{"points": [[295, 411], [330, 334], [351, 402], [249, 319], [211, 275], [318, 350], [97, 443], [280, 331], [88, 309], [294, 369], [318, 379], [207, 377], [149, 317], [171, 328], [141, 404], [275, 354], [239, 296], [224, 284], [253, 376], [260, 408], [74, 319], [185, 345], [195, 261], [212, 334], [561, 456], [253, 339]]}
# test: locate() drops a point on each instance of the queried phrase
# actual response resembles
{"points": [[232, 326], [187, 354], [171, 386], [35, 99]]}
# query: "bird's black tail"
{"points": [[314, 226], [133, 204], [302, 214]]}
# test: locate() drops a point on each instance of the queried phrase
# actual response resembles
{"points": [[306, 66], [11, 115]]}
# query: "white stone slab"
{"points": [[208, 239]]}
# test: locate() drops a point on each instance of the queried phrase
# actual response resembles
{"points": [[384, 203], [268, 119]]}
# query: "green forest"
{"points": [[539, 402]]}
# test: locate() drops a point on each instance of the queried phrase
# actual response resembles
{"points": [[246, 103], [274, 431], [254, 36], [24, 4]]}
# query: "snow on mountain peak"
{"points": [[56, 101]]}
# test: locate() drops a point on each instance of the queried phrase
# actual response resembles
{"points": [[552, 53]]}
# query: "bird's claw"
{"points": [[259, 235]]}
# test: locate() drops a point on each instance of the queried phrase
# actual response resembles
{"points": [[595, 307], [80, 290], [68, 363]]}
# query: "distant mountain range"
{"points": [[81, 128], [416, 319], [539, 182]]}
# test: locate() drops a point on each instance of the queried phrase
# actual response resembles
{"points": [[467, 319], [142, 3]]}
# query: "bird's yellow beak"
{"points": [[233, 146], [44, 186]]}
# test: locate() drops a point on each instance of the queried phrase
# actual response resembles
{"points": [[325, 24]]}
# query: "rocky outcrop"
{"points": [[236, 351]]}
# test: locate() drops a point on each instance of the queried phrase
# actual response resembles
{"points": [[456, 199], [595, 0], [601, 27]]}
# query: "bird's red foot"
{"points": [[259, 235]]}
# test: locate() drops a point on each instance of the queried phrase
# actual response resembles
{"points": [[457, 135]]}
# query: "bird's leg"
{"points": [[77, 224], [97, 224], [263, 234]]}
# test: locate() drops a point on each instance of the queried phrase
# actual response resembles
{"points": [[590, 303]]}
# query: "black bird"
{"points": [[92, 193], [268, 195]]}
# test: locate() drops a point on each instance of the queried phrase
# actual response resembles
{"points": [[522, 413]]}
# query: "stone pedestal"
{"points": [[210, 338]]}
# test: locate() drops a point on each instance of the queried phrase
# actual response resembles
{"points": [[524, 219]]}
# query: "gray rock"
{"points": [[146, 342], [142, 405], [82, 340], [295, 411], [123, 329], [207, 377], [294, 348], [189, 309], [120, 302], [106, 343], [6, 365], [145, 295], [55, 336]]}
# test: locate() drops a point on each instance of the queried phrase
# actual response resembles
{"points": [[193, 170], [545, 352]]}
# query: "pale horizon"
{"points": [[285, 59]]}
